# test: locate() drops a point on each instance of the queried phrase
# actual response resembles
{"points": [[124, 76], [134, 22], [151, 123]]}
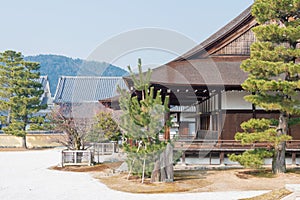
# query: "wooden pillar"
{"points": [[198, 119], [222, 155], [294, 158], [220, 116]]}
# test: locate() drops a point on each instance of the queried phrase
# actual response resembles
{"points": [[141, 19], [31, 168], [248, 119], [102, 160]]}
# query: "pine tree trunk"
{"points": [[8, 117], [278, 163], [166, 162]]}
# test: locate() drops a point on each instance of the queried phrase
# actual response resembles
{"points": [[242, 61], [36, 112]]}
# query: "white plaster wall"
{"points": [[234, 100], [32, 140]]}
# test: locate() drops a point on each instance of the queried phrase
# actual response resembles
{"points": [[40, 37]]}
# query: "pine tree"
{"points": [[105, 128], [273, 78], [20, 93], [142, 121]]}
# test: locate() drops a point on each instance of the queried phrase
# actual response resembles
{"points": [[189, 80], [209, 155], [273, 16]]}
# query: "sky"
{"points": [[77, 28]]}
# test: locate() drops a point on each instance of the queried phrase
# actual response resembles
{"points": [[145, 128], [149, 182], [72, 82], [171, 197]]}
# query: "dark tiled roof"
{"points": [[192, 69], [199, 72], [76, 89], [198, 68]]}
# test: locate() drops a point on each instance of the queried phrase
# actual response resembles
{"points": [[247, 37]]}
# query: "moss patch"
{"points": [[133, 185], [95, 168], [275, 194]]}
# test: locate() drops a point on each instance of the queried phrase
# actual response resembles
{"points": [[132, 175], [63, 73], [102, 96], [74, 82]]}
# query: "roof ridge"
{"points": [[104, 77], [217, 35]]}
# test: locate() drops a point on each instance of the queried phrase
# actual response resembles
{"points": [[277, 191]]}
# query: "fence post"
{"points": [[98, 153], [75, 157], [102, 148], [62, 158], [90, 158]]}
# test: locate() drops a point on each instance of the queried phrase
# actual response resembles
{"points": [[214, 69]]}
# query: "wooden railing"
{"points": [[201, 135], [199, 144]]}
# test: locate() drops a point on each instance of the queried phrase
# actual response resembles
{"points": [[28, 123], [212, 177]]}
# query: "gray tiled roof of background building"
{"points": [[76, 89], [43, 80]]}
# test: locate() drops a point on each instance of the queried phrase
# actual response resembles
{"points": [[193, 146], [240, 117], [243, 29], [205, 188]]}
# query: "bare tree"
{"points": [[75, 128]]}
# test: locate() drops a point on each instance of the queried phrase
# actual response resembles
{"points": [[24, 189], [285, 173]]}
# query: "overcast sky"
{"points": [[75, 28]]}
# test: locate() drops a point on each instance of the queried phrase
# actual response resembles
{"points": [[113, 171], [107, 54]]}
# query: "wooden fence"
{"points": [[94, 154], [101, 149], [77, 157]]}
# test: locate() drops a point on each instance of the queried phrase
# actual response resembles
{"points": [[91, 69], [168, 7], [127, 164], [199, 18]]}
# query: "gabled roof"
{"points": [[80, 89], [204, 65], [46, 97], [44, 81], [244, 21]]}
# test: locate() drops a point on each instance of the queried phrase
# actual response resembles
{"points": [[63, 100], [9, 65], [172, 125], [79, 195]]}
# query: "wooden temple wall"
{"points": [[235, 110]]}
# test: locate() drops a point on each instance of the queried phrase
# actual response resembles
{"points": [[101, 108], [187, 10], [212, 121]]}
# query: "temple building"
{"points": [[207, 79]]}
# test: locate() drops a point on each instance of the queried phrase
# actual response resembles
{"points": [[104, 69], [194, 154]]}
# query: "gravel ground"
{"points": [[25, 176]]}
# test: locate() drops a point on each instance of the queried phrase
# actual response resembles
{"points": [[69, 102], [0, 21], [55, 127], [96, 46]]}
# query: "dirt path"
{"points": [[233, 181]]}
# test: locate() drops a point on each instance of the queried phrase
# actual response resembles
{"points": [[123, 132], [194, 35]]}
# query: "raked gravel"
{"points": [[25, 175]]}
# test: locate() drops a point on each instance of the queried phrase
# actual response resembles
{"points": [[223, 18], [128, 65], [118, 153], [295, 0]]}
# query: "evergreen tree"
{"points": [[20, 93], [273, 78], [105, 128], [142, 121]]}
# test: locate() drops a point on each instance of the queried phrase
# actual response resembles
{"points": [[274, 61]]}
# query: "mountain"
{"points": [[56, 65]]}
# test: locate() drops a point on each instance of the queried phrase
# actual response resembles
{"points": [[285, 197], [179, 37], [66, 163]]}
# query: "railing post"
{"points": [[183, 157], [222, 158], [294, 158]]}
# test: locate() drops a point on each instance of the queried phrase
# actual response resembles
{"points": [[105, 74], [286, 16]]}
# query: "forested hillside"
{"points": [[55, 66]]}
